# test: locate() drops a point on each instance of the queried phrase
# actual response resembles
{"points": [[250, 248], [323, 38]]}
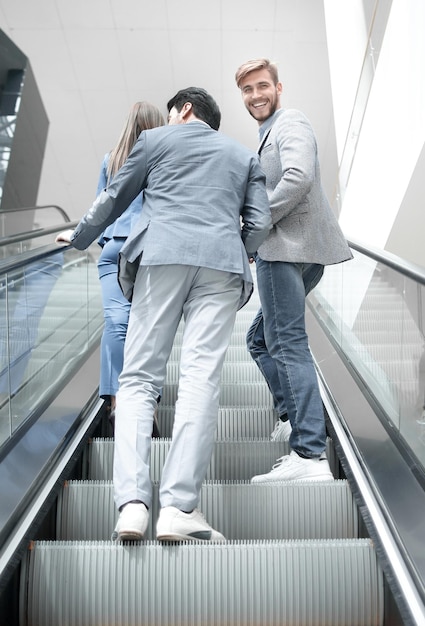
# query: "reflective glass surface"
{"points": [[50, 318], [376, 315]]}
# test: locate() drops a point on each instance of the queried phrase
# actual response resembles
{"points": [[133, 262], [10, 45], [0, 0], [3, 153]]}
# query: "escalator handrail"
{"points": [[34, 234], [406, 268], [36, 208], [25, 258], [394, 558]]}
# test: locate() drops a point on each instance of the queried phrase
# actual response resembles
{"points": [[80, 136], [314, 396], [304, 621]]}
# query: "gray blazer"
{"points": [[305, 229], [205, 203]]}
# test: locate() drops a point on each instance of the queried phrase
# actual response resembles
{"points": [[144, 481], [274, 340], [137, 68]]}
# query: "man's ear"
{"points": [[186, 110], [279, 88]]}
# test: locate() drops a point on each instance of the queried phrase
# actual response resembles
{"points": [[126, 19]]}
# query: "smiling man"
{"points": [[261, 91], [305, 237]]}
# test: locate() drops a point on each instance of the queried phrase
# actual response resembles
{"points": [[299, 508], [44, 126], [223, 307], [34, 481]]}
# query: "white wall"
{"points": [[387, 153]]}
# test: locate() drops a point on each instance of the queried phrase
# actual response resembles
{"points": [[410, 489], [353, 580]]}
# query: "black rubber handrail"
{"points": [[34, 234], [7, 266], [410, 270], [35, 208]]}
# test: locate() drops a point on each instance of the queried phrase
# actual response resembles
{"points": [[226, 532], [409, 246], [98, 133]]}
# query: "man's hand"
{"points": [[64, 236]]}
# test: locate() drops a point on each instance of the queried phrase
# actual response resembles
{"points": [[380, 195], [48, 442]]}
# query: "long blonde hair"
{"points": [[142, 116]]}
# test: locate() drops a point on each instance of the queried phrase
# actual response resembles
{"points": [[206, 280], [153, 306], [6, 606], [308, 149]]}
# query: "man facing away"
{"points": [[305, 237], [189, 256]]}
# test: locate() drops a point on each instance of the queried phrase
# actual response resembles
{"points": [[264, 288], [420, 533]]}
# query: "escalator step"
{"points": [[332, 583], [233, 422], [232, 372], [239, 510], [231, 460], [248, 394]]}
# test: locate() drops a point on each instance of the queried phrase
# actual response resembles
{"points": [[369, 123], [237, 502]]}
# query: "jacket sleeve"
{"points": [[298, 154], [114, 200], [256, 218]]}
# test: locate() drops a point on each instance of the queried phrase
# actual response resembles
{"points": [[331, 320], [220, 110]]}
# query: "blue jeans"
{"points": [[278, 343]]}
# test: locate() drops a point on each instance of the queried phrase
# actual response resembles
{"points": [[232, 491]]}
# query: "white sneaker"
{"points": [[282, 431], [132, 522], [294, 467], [421, 420], [175, 525]]}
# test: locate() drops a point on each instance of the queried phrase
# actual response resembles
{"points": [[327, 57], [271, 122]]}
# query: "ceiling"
{"points": [[92, 59]]}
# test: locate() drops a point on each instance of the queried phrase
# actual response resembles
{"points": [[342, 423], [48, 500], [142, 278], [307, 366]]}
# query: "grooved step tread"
{"points": [[238, 510], [235, 583]]}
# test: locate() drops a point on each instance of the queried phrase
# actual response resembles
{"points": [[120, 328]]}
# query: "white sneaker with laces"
{"points": [[132, 522], [175, 525], [282, 431], [294, 467]]}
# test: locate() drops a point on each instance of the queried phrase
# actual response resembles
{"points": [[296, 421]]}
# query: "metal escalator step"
{"points": [[233, 422], [231, 460], [232, 372], [86, 510], [248, 394], [334, 582]]}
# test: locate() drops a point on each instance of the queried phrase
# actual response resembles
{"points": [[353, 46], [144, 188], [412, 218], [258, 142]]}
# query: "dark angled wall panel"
{"points": [[19, 96]]}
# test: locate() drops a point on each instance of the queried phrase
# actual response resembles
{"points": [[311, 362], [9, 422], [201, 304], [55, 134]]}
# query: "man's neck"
{"points": [[195, 119], [268, 123], [192, 118]]}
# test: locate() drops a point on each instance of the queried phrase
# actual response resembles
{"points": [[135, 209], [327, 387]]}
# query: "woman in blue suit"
{"points": [[116, 308]]}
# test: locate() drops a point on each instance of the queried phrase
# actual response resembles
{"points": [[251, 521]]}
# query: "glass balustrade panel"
{"points": [[51, 317], [376, 316]]}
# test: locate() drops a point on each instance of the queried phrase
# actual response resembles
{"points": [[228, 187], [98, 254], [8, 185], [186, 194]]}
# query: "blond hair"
{"points": [[142, 116], [257, 64]]}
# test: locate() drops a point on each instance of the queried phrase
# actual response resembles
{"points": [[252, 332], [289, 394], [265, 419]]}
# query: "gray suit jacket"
{"points": [[205, 203], [305, 230]]}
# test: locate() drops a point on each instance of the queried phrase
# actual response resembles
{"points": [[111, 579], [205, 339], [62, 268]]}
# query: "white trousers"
{"points": [[208, 300]]}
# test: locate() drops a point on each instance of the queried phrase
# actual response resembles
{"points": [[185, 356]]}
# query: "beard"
{"points": [[261, 115]]}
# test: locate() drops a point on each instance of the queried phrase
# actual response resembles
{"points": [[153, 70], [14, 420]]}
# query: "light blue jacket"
{"points": [[123, 225], [205, 203]]}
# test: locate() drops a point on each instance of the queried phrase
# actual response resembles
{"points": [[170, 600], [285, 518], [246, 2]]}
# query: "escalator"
{"points": [[50, 326], [338, 553]]}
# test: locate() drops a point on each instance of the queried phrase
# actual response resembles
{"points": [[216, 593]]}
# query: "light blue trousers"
{"points": [[116, 310], [208, 301]]}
